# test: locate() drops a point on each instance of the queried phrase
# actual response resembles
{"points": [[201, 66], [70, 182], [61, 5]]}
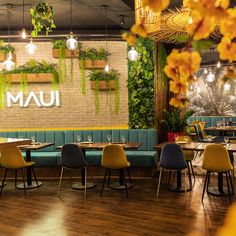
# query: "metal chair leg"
{"points": [[189, 175], [205, 183], [159, 181], [104, 180], [231, 183], [227, 180], [59, 185], [15, 178], [129, 177], [36, 180], [191, 165], [109, 178], [208, 179], [185, 184], [125, 183], [23, 176], [4, 178], [85, 181]]}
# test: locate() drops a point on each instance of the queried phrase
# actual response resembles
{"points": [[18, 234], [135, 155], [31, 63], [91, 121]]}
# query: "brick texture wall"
{"points": [[76, 110]]}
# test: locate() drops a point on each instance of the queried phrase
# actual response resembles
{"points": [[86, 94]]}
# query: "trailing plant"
{"points": [[141, 86], [61, 46], [34, 67], [42, 15], [6, 48], [2, 90], [101, 75], [176, 120]]}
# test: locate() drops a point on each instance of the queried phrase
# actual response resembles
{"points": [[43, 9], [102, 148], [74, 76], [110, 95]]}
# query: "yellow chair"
{"points": [[11, 158], [216, 159], [188, 155], [114, 158]]}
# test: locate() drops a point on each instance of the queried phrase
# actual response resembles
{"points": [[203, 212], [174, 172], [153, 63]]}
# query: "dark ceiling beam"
{"points": [[129, 3]]}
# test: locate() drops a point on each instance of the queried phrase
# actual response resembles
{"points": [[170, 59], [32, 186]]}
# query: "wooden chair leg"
{"points": [[227, 180], [15, 178], [34, 175], [159, 181], [104, 180], [85, 181], [205, 183], [23, 176], [4, 178], [59, 185]]}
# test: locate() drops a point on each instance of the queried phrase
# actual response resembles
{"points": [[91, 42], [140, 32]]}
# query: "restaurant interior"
{"points": [[118, 117]]}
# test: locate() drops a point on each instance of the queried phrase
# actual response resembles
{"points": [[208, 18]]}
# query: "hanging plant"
{"points": [[2, 90], [42, 15], [4, 50], [105, 81]]}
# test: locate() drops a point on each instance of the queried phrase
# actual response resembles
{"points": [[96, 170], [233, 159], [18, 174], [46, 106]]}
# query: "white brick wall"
{"points": [[76, 110]]}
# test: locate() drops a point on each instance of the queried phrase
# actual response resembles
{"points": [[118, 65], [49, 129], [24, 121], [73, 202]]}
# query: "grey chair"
{"points": [[72, 158]]}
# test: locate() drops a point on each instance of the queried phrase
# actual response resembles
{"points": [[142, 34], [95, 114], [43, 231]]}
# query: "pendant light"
{"points": [[107, 68], [31, 47], [8, 64], [23, 31], [71, 43], [133, 54], [210, 77]]}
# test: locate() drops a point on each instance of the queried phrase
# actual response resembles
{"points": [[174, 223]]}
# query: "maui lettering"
{"points": [[34, 98]]}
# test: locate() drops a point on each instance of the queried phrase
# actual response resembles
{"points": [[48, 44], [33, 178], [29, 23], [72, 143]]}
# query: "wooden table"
{"points": [[8, 142], [221, 129], [99, 146], [28, 148]]}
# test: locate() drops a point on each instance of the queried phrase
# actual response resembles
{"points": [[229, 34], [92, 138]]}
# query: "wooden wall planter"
{"points": [[89, 64], [103, 85], [68, 53], [3, 57], [31, 78]]}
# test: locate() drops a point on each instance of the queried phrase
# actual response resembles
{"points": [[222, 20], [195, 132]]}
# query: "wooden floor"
{"points": [[43, 213]]}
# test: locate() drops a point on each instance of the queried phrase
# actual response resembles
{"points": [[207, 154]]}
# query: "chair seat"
{"points": [[29, 163]]}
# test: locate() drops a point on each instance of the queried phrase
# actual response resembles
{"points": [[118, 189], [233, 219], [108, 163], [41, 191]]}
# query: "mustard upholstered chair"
{"points": [[216, 159], [11, 158], [188, 155], [114, 158]]}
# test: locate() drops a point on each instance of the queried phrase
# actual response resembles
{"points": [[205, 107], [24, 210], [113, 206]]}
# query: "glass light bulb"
{"points": [[198, 89], [23, 34], [31, 47], [133, 54], [71, 43], [218, 64], [190, 20], [205, 71], [8, 64], [210, 77], [107, 68], [227, 87]]}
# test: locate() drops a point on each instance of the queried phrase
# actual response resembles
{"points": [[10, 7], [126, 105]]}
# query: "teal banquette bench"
{"points": [[145, 156]]}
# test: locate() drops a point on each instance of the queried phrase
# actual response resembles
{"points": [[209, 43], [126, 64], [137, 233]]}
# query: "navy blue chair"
{"points": [[172, 159], [72, 158]]}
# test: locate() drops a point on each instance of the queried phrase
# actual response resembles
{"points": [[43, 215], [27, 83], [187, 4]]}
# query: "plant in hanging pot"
{"points": [[175, 121], [4, 50], [42, 15], [102, 80]]}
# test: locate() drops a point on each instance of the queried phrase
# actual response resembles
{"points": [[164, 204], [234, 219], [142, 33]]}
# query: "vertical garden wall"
{"points": [[141, 86]]}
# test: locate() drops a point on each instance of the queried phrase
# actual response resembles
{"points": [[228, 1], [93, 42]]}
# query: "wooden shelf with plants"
{"points": [[60, 51], [32, 72]]}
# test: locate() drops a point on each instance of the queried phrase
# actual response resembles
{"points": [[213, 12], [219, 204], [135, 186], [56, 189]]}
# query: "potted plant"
{"points": [[175, 121], [4, 50], [93, 58], [102, 80], [42, 15], [32, 71], [60, 51]]}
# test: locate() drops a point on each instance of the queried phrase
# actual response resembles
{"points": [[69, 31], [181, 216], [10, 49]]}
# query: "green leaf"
{"points": [[201, 45]]}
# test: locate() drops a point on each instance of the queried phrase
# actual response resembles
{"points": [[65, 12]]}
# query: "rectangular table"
{"points": [[222, 129], [28, 148], [8, 142]]}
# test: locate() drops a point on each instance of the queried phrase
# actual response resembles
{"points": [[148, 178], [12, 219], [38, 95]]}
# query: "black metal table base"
{"points": [[80, 186], [216, 192], [33, 185]]}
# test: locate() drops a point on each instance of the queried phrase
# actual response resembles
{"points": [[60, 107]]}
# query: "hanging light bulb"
{"points": [[31, 47], [107, 68], [23, 34], [8, 64], [227, 86], [198, 89], [218, 64], [190, 20], [205, 71], [210, 77], [133, 54], [71, 43]]}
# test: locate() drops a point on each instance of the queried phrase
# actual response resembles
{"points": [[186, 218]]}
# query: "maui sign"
{"points": [[38, 98]]}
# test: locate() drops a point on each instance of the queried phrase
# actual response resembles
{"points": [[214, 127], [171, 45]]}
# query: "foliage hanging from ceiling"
{"points": [[182, 64], [141, 86]]}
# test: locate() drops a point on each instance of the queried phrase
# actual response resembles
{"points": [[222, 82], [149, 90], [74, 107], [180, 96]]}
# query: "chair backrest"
{"points": [[172, 157], [11, 157], [72, 156], [216, 158], [198, 130], [113, 157]]}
